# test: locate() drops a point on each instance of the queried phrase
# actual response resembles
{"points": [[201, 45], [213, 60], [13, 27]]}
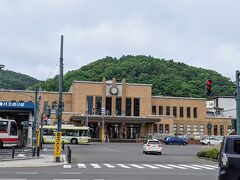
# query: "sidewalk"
{"points": [[43, 160]]}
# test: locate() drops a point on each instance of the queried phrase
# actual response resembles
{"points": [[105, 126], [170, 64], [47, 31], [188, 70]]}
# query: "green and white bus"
{"points": [[70, 134]]}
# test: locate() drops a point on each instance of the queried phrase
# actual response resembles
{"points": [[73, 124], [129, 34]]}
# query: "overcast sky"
{"points": [[201, 33]]}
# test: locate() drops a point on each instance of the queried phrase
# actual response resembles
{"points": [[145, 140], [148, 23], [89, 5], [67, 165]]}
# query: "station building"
{"points": [[127, 110]]}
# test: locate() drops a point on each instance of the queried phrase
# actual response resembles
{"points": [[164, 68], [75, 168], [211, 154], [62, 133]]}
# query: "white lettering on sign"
{"points": [[12, 104]]}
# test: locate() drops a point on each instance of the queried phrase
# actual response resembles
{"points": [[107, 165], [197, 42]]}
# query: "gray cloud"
{"points": [[198, 33]]}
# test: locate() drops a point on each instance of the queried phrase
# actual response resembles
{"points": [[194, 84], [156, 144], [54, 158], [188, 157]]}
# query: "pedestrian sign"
{"points": [[57, 146]]}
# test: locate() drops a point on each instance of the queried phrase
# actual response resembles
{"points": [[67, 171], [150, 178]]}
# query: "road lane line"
{"points": [[32, 173], [66, 179], [81, 165], [109, 166], [74, 173], [203, 167], [137, 166], [123, 166], [187, 166], [95, 166], [166, 167], [150, 166], [179, 167]]}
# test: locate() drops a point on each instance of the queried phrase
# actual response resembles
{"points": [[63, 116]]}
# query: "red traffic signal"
{"points": [[208, 86]]}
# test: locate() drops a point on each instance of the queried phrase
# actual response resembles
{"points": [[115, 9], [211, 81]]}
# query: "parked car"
{"points": [[175, 140], [152, 146], [229, 158], [210, 141]]}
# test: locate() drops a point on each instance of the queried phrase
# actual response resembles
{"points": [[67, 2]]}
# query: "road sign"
{"points": [[57, 146]]}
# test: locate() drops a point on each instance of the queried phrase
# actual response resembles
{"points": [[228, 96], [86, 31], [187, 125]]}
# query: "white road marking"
{"points": [[11, 179], [137, 166], [66, 179], [123, 166], [95, 166], [81, 165], [166, 167], [187, 166], [179, 167], [211, 166], [67, 166], [70, 173], [203, 167], [27, 173], [109, 165], [150, 166]]}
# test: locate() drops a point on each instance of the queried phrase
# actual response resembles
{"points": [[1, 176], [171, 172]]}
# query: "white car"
{"points": [[152, 146], [210, 141]]}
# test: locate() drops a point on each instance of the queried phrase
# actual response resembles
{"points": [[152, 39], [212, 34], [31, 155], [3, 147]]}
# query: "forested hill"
{"points": [[15, 81], [167, 77]]}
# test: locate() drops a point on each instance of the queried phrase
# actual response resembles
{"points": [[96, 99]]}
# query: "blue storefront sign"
{"points": [[5, 105]]}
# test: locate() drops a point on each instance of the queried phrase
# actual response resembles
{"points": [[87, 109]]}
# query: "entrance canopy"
{"points": [[116, 119]]}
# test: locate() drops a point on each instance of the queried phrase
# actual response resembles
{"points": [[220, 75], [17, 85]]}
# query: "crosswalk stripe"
{"points": [[137, 166], [150, 166], [211, 166], [187, 166], [123, 166], [203, 167], [81, 165], [95, 166], [67, 166], [166, 167], [109, 165], [179, 167]]}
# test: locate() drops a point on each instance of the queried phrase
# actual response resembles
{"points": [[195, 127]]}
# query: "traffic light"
{"points": [[208, 87]]}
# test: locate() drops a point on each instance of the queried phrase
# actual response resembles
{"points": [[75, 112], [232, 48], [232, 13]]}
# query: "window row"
{"points": [[132, 106], [175, 111]]}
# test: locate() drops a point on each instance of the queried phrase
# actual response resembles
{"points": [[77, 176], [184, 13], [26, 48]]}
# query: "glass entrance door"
{"points": [[133, 131], [113, 131]]}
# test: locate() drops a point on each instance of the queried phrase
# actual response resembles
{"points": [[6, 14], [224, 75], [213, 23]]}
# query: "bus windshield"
{"points": [[3, 125]]}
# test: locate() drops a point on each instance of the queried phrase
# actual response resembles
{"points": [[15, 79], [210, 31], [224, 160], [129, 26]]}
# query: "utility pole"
{"points": [[238, 102], [58, 135], [35, 119]]}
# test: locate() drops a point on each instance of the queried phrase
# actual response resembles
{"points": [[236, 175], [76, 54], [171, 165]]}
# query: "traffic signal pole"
{"points": [[238, 102]]}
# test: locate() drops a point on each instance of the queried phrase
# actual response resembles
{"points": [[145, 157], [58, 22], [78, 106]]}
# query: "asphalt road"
{"points": [[122, 161]]}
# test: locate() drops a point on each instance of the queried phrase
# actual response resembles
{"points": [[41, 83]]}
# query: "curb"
{"points": [[208, 159]]}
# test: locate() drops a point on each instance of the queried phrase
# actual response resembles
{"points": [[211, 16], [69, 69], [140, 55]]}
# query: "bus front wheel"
{"points": [[74, 141]]}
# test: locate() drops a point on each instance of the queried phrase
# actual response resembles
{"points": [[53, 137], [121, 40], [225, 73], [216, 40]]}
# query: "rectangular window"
{"points": [[153, 110], [160, 128], [45, 105], [128, 106], [221, 130], [188, 112], [160, 110], [195, 128], [174, 111], [89, 104], [175, 128], [181, 128], [237, 146], [166, 128], [181, 112], [202, 129], [155, 128], [195, 112], [108, 106], [189, 129], [167, 110], [229, 128], [136, 110], [215, 130], [98, 105], [118, 106]]}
